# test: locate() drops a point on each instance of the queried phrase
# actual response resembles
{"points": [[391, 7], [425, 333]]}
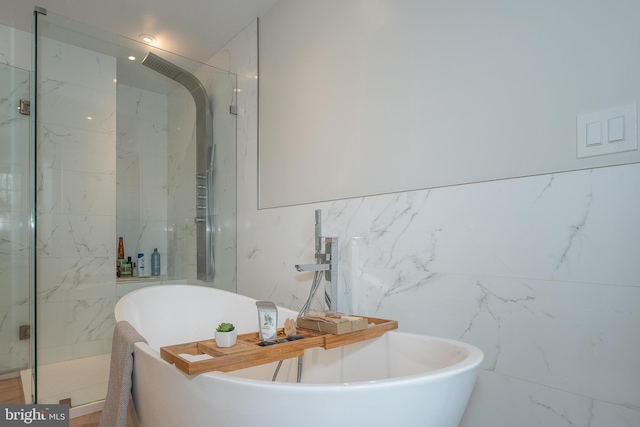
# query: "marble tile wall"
{"points": [[181, 194], [76, 190], [541, 273], [15, 203], [15, 47], [142, 173]]}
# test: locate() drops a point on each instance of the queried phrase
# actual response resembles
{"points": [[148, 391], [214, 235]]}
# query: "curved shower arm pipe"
{"points": [[205, 153]]}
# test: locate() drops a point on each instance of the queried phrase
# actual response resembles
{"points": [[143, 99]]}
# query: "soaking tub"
{"points": [[398, 379]]}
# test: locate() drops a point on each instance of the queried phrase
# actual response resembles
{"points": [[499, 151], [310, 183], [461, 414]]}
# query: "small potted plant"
{"points": [[226, 335]]}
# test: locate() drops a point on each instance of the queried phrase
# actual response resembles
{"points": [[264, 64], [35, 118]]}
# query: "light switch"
{"points": [[616, 129], [594, 133], [607, 132]]}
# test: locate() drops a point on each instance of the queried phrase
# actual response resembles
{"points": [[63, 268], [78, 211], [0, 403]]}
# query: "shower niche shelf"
{"points": [[248, 352]]}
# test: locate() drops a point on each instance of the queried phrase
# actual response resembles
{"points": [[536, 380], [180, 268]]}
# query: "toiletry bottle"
{"points": [[120, 258], [141, 271], [126, 268], [120, 248], [155, 263]]}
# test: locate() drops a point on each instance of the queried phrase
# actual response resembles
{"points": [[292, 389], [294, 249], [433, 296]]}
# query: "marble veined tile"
{"points": [[142, 105], [76, 150], [74, 278], [153, 203], [76, 321], [78, 193], [602, 244], [14, 88], [68, 63], [11, 317], [14, 360], [139, 136], [70, 105], [14, 287], [71, 353], [69, 235], [15, 47], [559, 221], [499, 400], [14, 188], [572, 336], [14, 134]]}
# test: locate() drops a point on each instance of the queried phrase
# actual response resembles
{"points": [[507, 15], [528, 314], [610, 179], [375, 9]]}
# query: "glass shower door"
{"points": [[16, 197], [116, 156]]}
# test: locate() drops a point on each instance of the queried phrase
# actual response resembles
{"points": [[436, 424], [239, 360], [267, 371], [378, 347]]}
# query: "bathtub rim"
{"points": [[469, 364]]}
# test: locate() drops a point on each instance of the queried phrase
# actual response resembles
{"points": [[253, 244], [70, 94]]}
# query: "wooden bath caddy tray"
{"points": [[247, 352]]}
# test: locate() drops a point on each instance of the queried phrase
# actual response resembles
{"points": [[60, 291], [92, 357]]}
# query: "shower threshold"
{"points": [[84, 380]]}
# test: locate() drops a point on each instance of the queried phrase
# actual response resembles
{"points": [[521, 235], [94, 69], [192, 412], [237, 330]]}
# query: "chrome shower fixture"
{"points": [[205, 153], [326, 262]]}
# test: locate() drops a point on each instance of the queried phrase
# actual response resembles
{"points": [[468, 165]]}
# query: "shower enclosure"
{"points": [[117, 156]]}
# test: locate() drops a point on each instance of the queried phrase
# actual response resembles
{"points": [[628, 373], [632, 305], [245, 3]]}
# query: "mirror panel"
{"points": [[364, 98]]}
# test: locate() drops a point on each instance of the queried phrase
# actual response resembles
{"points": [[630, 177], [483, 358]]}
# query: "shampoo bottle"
{"points": [[155, 263], [141, 270]]}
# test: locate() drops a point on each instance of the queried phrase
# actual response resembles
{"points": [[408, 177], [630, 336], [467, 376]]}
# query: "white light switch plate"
{"points": [[615, 140]]}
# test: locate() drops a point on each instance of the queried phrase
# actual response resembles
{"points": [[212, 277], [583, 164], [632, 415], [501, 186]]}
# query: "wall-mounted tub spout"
{"points": [[205, 154]]}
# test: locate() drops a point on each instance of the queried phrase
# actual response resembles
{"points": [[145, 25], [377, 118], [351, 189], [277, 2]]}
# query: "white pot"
{"points": [[226, 339]]}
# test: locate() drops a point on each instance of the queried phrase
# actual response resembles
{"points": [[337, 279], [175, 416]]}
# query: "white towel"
{"points": [[114, 413]]}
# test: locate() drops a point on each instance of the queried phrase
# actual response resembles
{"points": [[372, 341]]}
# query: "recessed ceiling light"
{"points": [[132, 58], [147, 38]]}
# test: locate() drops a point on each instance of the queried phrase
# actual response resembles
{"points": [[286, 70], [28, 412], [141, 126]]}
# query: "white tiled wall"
{"points": [[142, 173], [76, 175], [541, 273]]}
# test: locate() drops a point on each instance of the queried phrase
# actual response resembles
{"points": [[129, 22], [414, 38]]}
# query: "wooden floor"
{"points": [[90, 420], [11, 393]]}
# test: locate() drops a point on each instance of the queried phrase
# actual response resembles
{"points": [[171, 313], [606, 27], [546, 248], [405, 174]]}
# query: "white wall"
{"points": [[541, 273]]}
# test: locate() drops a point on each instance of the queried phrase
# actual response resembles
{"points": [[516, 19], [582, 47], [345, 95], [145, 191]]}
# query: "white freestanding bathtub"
{"points": [[399, 379]]}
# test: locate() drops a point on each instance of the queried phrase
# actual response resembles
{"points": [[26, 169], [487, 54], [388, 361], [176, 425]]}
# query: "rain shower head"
{"points": [[162, 66], [172, 71]]}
